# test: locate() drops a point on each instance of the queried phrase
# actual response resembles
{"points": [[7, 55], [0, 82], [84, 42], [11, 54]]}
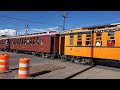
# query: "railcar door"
{"points": [[62, 45], [52, 45], [8, 44]]}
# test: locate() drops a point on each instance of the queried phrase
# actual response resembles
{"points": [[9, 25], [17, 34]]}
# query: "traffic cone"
{"points": [[23, 71], [4, 62]]}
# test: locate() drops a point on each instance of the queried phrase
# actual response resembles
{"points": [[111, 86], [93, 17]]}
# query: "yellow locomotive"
{"points": [[91, 44]]}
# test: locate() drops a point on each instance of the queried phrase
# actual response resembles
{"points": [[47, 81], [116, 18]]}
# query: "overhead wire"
{"points": [[28, 21]]}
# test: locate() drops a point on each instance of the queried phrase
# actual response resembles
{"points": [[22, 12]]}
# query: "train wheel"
{"points": [[62, 56], [14, 51], [48, 55], [52, 56], [42, 54], [68, 58], [77, 60], [33, 53], [82, 61], [92, 62], [72, 59]]}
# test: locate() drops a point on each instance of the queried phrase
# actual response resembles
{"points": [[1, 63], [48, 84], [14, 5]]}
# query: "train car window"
{"points": [[88, 43], [24, 41], [79, 36], [88, 35], [88, 39], [20, 41], [41, 41], [17, 41], [110, 33], [111, 40], [71, 36], [37, 40], [33, 40], [30, 40], [98, 39], [14, 41], [27, 40], [79, 41], [98, 34], [71, 39]]}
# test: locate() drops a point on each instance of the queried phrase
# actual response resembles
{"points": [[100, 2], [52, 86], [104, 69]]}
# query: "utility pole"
{"points": [[26, 30], [16, 32], [65, 15]]}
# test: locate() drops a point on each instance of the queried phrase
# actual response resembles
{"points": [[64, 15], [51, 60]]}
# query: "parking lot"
{"points": [[45, 68]]}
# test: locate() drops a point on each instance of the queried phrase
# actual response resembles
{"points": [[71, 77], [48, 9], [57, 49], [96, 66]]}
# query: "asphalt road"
{"points": [[58, 69]]}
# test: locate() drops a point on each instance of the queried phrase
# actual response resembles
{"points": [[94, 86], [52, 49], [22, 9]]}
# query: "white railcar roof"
{"points": [[35, 35]]}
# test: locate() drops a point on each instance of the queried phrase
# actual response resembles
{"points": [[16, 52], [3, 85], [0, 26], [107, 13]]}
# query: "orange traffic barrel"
{"points": [[23, 71], [4, 62]]}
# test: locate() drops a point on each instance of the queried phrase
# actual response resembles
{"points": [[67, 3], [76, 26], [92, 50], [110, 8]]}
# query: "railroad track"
{"points": [[75, 74]]}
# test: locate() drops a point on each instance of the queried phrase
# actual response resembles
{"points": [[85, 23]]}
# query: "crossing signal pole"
{"points": [[26, 30], [65, 15], [16, 32]]}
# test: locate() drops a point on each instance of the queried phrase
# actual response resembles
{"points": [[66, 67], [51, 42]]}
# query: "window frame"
{"points": [[88, 39], [79, 36], [111, 39], [98, 38], [41, 40], [71, 39]]}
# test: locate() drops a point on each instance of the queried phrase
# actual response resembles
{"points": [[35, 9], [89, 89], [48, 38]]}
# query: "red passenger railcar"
{"points": [[4, 44], [44, 44]]}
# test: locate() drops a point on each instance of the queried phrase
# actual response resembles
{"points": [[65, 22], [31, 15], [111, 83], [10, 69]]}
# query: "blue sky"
{"points": [[44, 20]]}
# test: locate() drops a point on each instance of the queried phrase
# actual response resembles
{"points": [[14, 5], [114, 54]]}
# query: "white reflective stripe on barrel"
{"points": [[23, 72], [23, 65], [3, 60], [4, 66]]}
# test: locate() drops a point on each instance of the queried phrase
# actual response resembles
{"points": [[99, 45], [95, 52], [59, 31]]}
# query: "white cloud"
{"points": [[53, 28], [44, 30], [10, 32]]}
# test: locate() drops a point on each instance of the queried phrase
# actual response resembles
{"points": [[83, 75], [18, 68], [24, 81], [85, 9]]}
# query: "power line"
{"points": [[27, 20]]}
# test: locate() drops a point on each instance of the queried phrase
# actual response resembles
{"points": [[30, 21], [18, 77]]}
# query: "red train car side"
{"points": [[46, 44]]}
